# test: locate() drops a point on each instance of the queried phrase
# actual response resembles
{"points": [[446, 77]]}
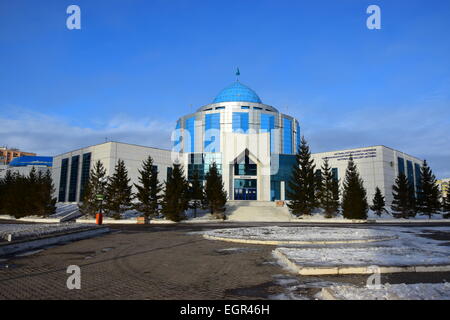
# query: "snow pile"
{"points": [[300, 233], [417, 291], [22, 231], [348, 257]]}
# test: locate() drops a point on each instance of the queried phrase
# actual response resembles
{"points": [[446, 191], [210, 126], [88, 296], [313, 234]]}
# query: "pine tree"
{"points": [[118, 191], [429, 194], [149, 189], [329, 192], [45, 190], [196, 193], [96, 185], [378, 204], [403, 205], [354, 196], [302, 185], [215, 195], [176, 195]]}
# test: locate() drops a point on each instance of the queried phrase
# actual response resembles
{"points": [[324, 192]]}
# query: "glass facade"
{"points": [[85, 168], [212, 132], [268, 125], [401, 165], [297, 137], [189, 142], [177, 138], [286, 162], [73, 178], [63, 180], [240, 122], [200, 162], [287, 136]]}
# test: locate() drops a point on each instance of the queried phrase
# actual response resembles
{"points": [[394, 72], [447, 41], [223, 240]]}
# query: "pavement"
{"points": [[170, 262]]}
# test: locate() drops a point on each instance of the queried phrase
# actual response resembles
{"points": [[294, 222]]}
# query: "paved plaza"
{"points": [[170, 262]]}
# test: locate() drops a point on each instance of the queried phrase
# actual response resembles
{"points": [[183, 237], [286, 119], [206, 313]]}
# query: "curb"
{"points": [[313, 271], [30, 244], [290, 242]]}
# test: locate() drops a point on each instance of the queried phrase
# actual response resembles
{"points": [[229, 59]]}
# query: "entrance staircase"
{"points": [[257, 211]]}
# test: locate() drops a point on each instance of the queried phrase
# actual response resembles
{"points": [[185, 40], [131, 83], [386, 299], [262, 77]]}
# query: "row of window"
{"points": [[242, 107], [73, 179], [240, 124], [412, 172]]}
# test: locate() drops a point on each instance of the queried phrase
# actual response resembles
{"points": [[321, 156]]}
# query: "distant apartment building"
{"points": [[444, 186], [7, 155]]}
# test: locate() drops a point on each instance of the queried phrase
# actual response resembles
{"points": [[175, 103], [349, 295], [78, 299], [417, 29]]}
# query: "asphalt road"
{"points": [[170, 262]]}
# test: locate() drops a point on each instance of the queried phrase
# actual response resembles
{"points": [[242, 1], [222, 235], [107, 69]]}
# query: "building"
{"points": [[252, 143], [7, 155], [24, 164], [378, 167], [71, 169], [444, 186]]}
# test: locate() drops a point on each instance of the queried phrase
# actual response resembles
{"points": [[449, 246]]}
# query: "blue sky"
{"points": [[136, 66]]}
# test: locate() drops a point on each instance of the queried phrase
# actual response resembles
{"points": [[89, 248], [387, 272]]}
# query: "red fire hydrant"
{"points": [[99, 218]]}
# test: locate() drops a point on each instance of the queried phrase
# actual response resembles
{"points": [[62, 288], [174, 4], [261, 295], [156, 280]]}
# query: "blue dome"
{"points": [[237, 92]]}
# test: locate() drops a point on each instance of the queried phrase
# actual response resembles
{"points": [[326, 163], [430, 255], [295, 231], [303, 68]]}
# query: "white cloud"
{"points": [[46, 135]]}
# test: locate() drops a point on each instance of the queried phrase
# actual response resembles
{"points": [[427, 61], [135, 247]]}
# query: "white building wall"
{"points": [[377, 165], [109, 153]]}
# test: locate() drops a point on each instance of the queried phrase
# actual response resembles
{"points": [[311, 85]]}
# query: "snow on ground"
{"points": [[367, 256], [417, 291], [21, 231], [300, 233]]}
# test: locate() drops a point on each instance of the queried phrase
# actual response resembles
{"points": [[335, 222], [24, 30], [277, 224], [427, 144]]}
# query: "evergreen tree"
{"points": [[403, 205], [329, 192], [45, 190], [378, 204], [96, 185], [354, 196], [302, 185], [429, 194], [149, 189], [196, 193], [118, 191], [176, 195], [215, 195]]}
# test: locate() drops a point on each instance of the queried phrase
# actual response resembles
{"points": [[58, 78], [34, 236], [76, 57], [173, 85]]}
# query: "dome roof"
{"points": [[237, 92]]}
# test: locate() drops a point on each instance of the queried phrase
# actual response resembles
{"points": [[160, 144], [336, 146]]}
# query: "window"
{"points": [[73, 178], [85, 168], [63, 180], [220, 108], [334, 172], [287, 136], [257, 108], [268, 125], [240, 122], [409, 167], [169, 173], [189, 142], [401, 165], [245, 107], [212, 132]]}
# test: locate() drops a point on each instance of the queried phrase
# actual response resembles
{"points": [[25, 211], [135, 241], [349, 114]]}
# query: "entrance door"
{"points": [[245, 189]]}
